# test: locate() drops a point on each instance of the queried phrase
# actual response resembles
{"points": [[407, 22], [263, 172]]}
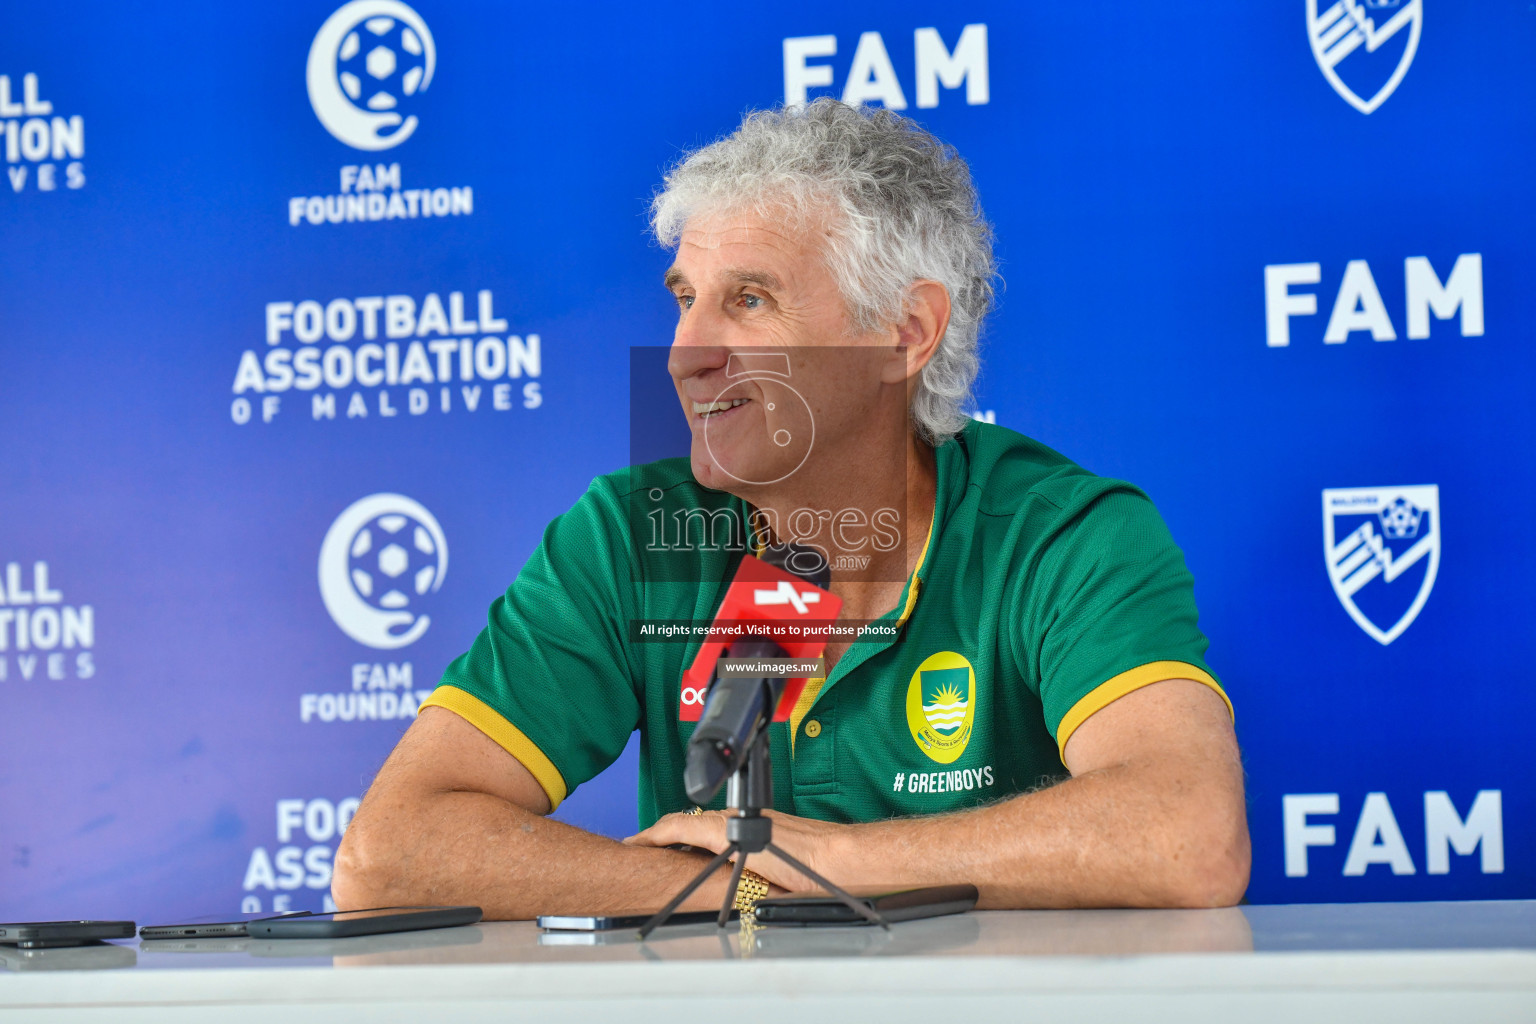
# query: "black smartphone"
{"points": [[614, 922], [812, 909], [48, 934], [207, 927], [346, 923]]}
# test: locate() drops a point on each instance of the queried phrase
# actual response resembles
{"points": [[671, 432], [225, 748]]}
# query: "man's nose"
{"points": [[696, 346]]}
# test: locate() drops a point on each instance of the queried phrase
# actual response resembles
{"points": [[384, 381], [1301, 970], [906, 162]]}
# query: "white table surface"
{"points": [[1446, 962]]}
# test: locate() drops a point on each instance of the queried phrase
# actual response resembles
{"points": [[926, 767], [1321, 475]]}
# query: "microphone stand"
{"points": [[748, 791]]}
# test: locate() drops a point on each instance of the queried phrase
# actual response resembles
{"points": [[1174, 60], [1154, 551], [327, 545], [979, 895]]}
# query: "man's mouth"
{"points": [[705, 410]]}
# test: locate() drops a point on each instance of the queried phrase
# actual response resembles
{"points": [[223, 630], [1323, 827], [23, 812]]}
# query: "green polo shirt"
{"points": [[1043, 594]]}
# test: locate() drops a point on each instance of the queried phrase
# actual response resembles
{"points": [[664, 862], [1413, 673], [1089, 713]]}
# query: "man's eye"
{"points": [[752, 301], [685, 301]]}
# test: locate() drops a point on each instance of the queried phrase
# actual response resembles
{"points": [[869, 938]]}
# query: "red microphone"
{"points": [[765, 603]]}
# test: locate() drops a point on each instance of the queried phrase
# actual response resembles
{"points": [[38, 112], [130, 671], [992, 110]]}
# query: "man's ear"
{"points": [[919, 335]]}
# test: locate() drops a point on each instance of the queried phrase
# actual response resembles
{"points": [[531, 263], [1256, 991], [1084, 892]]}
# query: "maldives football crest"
{"points": [[941, 706], [1383, 550], [1361, 47]]}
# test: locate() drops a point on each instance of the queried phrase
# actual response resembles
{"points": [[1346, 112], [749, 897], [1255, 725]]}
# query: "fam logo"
{"points": [[872, 77], [368, 66], [1358, 305], [1378, 55], [38, 141], [1383, 549], [380, 559], [1378, 838], [941, 706], [368, 63]]}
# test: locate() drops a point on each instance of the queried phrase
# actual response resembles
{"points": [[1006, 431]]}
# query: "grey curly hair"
{"points": [[902, 207]]}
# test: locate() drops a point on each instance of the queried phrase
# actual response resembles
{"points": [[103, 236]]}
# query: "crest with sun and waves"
{"points": [[941, 706]]}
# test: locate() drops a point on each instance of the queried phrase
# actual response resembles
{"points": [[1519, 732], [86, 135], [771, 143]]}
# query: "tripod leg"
{"points": [[730, 891], [660, 917], [863, 910]]}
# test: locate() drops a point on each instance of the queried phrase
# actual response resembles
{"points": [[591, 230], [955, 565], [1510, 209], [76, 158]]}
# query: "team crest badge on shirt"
{"points": [[941, 706], [1383, 549]]}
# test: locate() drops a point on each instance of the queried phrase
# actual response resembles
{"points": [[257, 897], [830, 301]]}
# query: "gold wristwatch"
{"points": [[752, 886], [750, 889]]}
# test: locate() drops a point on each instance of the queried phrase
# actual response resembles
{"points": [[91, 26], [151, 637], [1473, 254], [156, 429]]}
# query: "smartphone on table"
{"points": [[622, 920], [908, 904], [345, 923], [50, 934], [216, 926]]}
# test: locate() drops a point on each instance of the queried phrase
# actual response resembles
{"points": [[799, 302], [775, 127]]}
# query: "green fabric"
{"points": [[1046, 579]]}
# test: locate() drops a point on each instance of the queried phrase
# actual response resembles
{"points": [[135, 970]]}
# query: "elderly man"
{"points": [[1035, 717]]}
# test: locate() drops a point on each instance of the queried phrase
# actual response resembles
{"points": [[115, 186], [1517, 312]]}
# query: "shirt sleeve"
{"points": [[1108, 608], [549, 677]]}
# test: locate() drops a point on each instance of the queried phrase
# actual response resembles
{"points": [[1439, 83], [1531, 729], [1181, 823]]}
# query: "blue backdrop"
{"points": [[306, 292]]}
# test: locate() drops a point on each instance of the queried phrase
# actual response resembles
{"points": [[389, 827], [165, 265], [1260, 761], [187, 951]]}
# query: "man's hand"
{"points": [[804, 838]]}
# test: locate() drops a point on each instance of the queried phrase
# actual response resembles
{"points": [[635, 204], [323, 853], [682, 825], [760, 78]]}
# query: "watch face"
{"points": [[764, 430]]}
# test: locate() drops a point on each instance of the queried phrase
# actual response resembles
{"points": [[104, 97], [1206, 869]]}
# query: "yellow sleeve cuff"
{"points": [[1108, 692], [511, 739]]}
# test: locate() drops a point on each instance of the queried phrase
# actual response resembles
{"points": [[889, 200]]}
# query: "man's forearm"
{"points": [[478, 849], [1129, 835], [453, 819]]}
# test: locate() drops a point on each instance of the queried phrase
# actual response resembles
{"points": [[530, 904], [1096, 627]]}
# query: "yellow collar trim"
{"points": [[916, 583], [813, 687]]}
